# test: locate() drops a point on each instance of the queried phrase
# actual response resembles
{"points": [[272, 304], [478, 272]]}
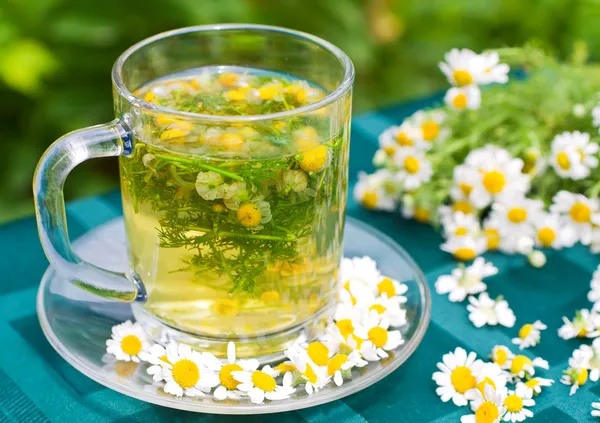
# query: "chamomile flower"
{"points": [[261, 384], [461, 67], [488, 407], [187, 372], [461, 98], [500, 176], [411, 209], [376, 337], [228, 385], [377, 191], [390, 287], [502, 356], [583, 325], [389, 308], [493, 232], [413, 168], [432, 130], [315, 377], [592, 359], [157, 357], [340, 366], [127, 341], [465, 248], [517, 213], [235, 193], [465, 178], [573, 155], [521, 366], [460, 224], [210, 185], [529, 335], [516, 242], [490, 374], [576, 375], [596, 409], [362, 269], [254, 213], [535, 384], [465, 280], [457, 375], [485, 311], [550, 234], [516, 402], [577, 213], [594, 294], [395, 137], [491, 70]]}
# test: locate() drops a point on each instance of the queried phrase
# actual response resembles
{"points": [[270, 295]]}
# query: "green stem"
{"points": [[225, 234], [178, 180], [201, 165]]}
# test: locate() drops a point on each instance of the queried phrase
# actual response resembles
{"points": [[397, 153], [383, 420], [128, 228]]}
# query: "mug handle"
{"points": [[107, 140]]}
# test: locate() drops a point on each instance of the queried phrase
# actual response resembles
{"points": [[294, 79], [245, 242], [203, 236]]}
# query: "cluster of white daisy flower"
{"points": [[366, 327], [484, 386], [494, 201]]}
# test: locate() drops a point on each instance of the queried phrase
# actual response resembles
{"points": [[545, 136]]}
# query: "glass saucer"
{"points": [[77, 324]]}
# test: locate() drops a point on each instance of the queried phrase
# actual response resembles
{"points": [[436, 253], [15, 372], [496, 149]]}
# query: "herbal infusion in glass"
{"points": [[236, 229]]}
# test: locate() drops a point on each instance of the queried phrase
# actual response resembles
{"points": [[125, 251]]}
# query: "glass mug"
{"points": [[226, 241]]}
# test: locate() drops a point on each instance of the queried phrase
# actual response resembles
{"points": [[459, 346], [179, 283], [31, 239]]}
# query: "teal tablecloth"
{"points": [[37, 385]]}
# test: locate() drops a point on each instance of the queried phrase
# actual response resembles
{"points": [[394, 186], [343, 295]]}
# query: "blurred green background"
{"points": [[56, 57]]}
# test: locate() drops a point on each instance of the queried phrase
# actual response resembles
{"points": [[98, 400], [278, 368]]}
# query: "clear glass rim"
{"points": [[340, 90]]}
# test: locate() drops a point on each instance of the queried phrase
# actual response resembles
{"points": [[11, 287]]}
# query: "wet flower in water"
{"points": [[210, 185], [234, 194], [529, 335], [128, 340], [296, 180], [457, 375], [315, 159], [255, 212], [485, 311], [465, 280]]}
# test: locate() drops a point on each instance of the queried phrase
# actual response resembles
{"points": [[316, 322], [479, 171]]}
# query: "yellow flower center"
{"points": [[389, 150], [336, 363], [461, 231], [314, 160], [186, 373], [149, 97], [225, 307], [494, 181], [411, 165], [225, 377], [369, 200], [318, 353], [403, 140], [582, 333], [270, 296], [267, 93], [249, 215], [518, 363], [421, 214], [460, 101], [513, 403], [228, 79], [131, 345], [301, 95], [462, 206], [486, 381], [462, 379], [487, 413], [345, 327], [235, 95], [546, 236], [525, 331], [232, 141], [465, 254], [218, 208], [462, 77], [263, 381], [582, 376], [378, 308], [517, 215], [532, 383], [378, 336], [125, 368], [386, 286], [465, 188], [430, 130], [563, 161], [500, 357], [173, 135], [580, 213], [493, 238], [284, 368], [309, 374]]}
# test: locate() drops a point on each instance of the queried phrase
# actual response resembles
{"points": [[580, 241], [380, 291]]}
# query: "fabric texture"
{"points": [[37, 385]]}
